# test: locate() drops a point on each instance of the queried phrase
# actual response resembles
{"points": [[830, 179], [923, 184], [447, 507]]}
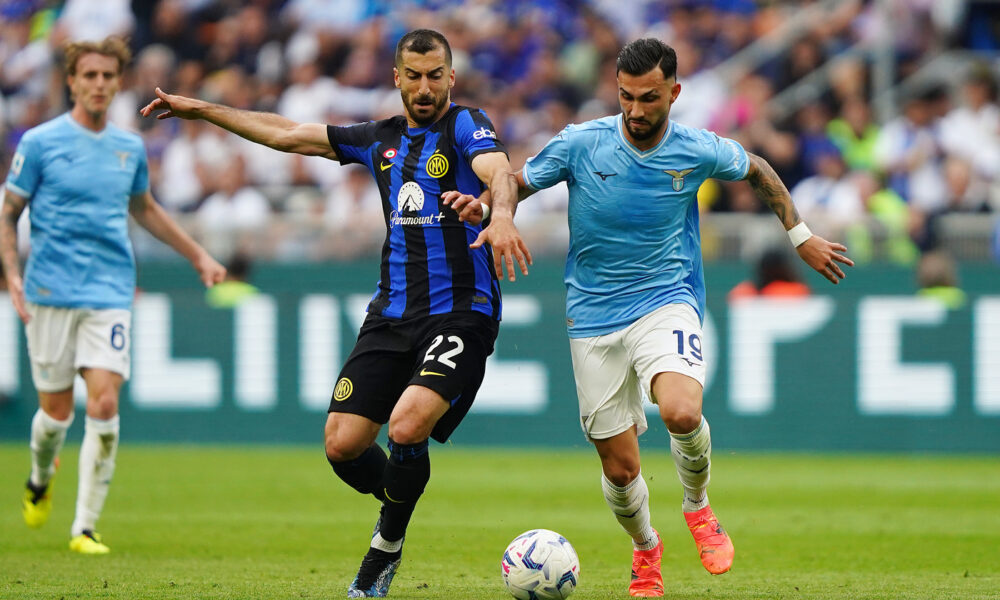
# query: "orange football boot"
{"points": [[714, 546], [647, 580]]}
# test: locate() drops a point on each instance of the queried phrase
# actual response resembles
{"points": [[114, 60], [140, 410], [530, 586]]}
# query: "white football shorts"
{"points": [[614, 372], [61, 341]]}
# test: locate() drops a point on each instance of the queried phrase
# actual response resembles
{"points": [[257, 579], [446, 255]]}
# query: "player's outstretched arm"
{"points": [[818, 253], [155, 220], [13, 206], [493, 169], [269, 129]]}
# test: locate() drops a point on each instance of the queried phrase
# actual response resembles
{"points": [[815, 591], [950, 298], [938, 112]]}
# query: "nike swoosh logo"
{"points": [[425, 372], [385, 166], [385, 491]]}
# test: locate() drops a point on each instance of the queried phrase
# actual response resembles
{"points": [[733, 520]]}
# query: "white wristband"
{"points": [[486, 211], [799, 234]]}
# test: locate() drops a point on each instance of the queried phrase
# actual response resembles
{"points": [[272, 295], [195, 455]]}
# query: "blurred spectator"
{"points": [[188, 165], [234, 216], [775, 277], [937, 278], [744, 118], [805, 56], [25, 61], [94, 20], [889, 238], [855, 134], [355, 209], [235, 289], [702, 90], [340, 17], [972, 131], [828, 200], [173, 27], [963, 193], [909, 149], [811, 125]]}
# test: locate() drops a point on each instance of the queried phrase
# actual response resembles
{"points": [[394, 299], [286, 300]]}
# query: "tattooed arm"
{"points": [[13, 206], [818, 253]]}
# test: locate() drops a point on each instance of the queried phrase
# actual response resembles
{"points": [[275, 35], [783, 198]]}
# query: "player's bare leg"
{"points": [[679, 399], [353, 453], [404, 479], [48, 433], [627, 496], [97, 458]]}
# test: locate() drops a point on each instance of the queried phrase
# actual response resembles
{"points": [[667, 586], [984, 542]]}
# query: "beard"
{"points": [[426, 118], [651, 131]]}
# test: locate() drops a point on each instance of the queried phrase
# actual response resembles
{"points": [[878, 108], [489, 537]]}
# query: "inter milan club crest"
{"points": [[343, 390], [678, 176], [437, 165]]}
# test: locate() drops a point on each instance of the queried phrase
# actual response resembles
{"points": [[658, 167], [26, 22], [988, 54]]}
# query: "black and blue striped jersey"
{"points": [[427, 265]]}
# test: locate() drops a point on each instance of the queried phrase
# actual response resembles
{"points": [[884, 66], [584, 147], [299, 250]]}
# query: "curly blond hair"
{"points": [[113, 46]]}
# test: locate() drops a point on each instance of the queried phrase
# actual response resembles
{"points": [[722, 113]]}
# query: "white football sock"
{"points": [[692, 454], [631, 507], [384, 545], [97, 465], [47, 437]]}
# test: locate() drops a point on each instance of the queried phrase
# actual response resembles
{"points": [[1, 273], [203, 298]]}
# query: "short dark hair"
{"points": [[422, 41], [641, 56]]}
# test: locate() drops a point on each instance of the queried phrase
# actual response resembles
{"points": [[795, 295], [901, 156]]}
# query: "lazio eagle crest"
{"points": [[678, 176]]}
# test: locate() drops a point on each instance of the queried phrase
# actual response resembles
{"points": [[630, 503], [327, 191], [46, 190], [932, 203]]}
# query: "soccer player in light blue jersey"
{"points": [[82, 176], [635, 289]]}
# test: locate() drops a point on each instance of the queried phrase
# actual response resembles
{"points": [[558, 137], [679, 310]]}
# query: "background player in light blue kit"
{"points": [[635, 289], [82, 177]]}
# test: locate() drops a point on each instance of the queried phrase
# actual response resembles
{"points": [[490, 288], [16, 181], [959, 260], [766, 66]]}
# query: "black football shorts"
{"points": [[446, 353]]}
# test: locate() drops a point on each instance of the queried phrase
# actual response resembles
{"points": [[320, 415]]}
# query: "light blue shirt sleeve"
{"points": [[731, 160], [26, 168], [551, 165], [141, 181]]}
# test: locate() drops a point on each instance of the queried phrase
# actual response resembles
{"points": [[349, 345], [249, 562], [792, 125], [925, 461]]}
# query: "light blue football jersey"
{"points": [[633, 218], [78, 183]]}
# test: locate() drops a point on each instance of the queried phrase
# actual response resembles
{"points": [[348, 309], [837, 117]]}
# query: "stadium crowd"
{"points": [[535, 66]]}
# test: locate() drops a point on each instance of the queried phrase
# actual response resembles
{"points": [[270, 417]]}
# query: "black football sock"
{"points": [[365, 472], [405, 477]]}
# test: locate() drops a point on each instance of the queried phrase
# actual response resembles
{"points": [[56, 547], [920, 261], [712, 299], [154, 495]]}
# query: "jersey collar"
{"points": [[412, 131], [640, 154], [94, 134]]}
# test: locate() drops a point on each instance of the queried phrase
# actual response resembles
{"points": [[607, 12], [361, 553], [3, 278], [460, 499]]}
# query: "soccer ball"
{"points": [[540, 565]]}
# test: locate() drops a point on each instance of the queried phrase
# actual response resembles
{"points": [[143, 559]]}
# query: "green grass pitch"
{"points": [[273, 522]]}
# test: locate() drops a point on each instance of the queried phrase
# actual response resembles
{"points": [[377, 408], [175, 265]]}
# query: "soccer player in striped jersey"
{"points": [[421, 353], [635, 290], [82, 177]]}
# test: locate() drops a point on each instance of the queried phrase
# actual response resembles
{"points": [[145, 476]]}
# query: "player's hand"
{"points": [[507, 245], [209, 270], [176, 106], [823, 256], [468, 207], [16, 288]]}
